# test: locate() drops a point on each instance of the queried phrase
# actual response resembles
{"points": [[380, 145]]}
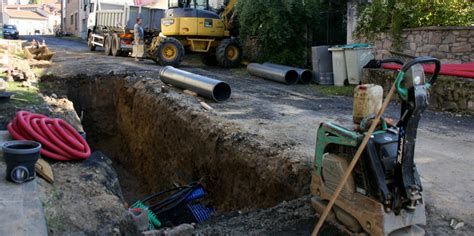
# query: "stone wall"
{"points": [[449, 44], [454, 94]]}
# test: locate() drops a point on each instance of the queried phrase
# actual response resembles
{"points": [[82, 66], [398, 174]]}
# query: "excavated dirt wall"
{"points": [[164, 137]]}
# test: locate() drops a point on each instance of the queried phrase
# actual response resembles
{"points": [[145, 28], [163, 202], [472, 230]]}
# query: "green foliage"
{"points": [[34, 1], [396, 15], [280, 27], [27, 95]]}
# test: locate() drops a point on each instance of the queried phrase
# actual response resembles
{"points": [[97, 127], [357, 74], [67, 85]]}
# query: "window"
{"points": [[72, 19], [92, 7], [174, 3], [198, 4], [201, 4], [76, 25]]}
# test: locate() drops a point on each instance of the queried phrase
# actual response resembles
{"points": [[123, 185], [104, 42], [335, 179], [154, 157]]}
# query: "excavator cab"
{"points": [[191, 26]]}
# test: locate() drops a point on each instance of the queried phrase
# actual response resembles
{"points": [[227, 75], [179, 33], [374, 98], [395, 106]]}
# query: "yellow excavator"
{"points": [[191, 26]]}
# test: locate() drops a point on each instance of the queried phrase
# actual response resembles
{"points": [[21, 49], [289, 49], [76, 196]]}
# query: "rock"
{"points": [[181, 230], [434, 37], [451, 106], [455, 224], [3, 85], [462, 48], [387, 44], [438, 55], [54, 95], [443, 48], [413, 46], [418, 39], [451, 38], [429, 48], [470, 105], [26, 84]]}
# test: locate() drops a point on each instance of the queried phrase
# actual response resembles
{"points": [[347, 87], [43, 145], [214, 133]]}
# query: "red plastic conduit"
{"points": [[60, 140]]}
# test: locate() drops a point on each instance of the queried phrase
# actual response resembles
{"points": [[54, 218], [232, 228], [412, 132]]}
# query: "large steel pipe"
{"points": [[273, 73], [210, 88], [305, 76]]}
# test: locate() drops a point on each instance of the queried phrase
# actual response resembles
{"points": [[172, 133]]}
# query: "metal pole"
{"points": [[210, 88], [282, 75]]}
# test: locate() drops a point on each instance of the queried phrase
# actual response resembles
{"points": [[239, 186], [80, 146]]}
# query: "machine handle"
{"points": [[403, 91]]}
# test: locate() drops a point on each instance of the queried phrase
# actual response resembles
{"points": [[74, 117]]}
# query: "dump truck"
{"points": [[110, 26]]}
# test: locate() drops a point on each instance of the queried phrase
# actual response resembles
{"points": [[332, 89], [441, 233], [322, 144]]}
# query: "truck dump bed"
{"points": [[124, 18]]}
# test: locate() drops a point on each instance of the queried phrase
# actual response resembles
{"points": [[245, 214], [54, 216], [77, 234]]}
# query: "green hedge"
{"points": [[283, 28], [395, 15]]}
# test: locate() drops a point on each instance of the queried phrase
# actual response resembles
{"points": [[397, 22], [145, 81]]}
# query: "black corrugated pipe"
{"points": [[210, 88], [288, 76], [305, 76]]}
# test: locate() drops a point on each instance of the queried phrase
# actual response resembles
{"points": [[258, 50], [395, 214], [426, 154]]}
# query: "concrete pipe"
{"points": [[210, 88], [305, 76], [281, 75]]}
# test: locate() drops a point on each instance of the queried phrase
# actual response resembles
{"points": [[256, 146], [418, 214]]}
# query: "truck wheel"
{"points": [[209, 58], [170, 52], [107, 44], [229, 53], [89, 43], [115, 48]]}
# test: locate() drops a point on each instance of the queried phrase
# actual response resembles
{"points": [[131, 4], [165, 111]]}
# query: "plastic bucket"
{"points": [[21, 157]]}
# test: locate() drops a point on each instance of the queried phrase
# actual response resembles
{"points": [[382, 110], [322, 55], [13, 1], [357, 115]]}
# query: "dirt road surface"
{"points": [[444, 150]]}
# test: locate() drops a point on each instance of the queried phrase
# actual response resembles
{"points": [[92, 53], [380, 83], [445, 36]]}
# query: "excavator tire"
{"points": [[229, 53], [170, 52]]}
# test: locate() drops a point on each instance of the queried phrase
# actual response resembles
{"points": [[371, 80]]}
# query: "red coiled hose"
{"points": [[60, 140]]}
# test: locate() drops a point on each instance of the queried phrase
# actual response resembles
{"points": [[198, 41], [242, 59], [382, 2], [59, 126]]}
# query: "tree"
{"points": [[278, 25]]}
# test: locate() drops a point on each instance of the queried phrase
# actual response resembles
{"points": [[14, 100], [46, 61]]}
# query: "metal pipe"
{"points": [[305, 76], [273, 73], [210, 88]]}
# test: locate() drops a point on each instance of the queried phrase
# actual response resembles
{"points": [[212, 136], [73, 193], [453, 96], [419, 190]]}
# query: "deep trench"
{"points": [[157, 139]]}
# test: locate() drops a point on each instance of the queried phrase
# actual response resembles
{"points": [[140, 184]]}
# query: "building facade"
{"points": [[27, 22], [33, 18]]}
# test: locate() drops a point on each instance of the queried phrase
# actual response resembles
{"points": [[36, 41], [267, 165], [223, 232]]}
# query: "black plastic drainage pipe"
{"points": [[210, 88], [305, 76], [282, 75]]}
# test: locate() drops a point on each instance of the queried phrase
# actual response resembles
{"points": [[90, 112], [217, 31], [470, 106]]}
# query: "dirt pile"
{"points": [[85, 199]]}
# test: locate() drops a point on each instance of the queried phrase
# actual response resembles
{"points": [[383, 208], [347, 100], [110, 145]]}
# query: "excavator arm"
{"points": [[226, 14]]}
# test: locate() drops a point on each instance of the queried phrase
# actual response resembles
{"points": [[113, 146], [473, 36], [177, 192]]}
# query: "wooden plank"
{"points": [[44, 170]]}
